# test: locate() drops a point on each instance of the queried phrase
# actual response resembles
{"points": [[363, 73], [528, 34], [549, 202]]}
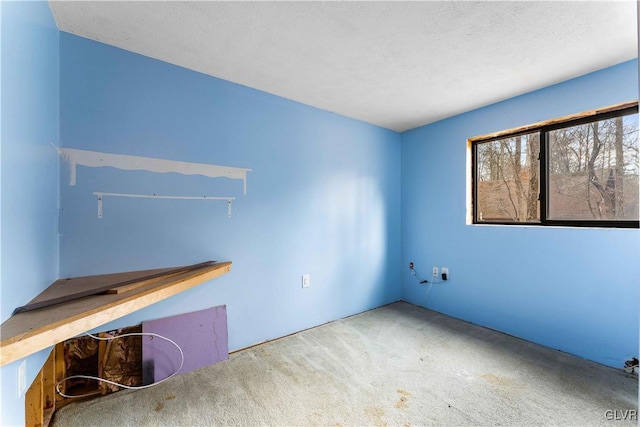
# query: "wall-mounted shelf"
{"points": [[28, 332], [96, 159], [101, 196]]}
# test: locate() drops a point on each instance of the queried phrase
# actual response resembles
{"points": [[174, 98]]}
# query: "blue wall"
{"points": [[573, 289], [323, 197], [30, 180]]}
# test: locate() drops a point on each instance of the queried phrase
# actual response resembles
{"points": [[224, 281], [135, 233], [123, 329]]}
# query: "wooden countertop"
{"points": [[31, 331]]}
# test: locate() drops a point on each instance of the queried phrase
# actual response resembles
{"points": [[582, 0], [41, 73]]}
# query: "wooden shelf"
{"points": [[29, 332]]}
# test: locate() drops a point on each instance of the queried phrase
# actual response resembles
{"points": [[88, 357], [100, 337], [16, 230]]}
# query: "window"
{"points": [[576, 171]]}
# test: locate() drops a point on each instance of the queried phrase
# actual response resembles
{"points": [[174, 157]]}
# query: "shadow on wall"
{"points": [[355, 232]]}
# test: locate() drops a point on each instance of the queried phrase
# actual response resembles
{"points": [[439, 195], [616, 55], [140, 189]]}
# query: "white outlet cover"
{"points": [[22, 378], [306, 280]]}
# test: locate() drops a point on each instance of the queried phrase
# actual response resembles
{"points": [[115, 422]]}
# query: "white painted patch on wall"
{"points": [[96, 159]]}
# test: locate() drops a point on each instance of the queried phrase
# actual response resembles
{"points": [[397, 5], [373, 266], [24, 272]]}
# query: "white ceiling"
{"points": [[398, 65]]}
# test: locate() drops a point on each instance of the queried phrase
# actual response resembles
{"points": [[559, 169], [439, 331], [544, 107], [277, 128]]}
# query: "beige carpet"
{"points": [[396, 365]]}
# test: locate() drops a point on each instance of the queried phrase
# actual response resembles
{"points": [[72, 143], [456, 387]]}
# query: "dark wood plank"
{"points": [[112, 287]]}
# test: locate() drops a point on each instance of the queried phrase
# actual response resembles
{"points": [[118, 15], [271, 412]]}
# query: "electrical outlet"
{"points": [[435, 272], [306, 281], [22, 378], [445, 271]]}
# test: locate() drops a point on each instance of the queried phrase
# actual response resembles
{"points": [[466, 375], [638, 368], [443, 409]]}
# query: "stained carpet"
{"points": [[396, 365]]}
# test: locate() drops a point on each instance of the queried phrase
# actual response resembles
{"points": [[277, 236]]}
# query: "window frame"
{"points": [[543, 128]]}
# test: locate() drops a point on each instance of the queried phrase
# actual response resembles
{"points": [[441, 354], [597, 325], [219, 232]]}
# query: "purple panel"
{"points": [[202, 335]]}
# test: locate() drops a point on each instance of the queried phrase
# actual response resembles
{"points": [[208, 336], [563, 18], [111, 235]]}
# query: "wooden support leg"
{"points": [[34, 415]]}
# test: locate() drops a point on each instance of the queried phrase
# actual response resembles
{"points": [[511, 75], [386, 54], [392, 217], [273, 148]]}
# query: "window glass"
{"points": [[593, 171], [508, 180]]}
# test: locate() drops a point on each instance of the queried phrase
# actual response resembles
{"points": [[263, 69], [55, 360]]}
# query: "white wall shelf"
{"points": [[101, 196], [96, 159]]}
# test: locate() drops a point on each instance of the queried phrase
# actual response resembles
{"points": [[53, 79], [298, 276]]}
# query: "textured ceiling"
{"points": [[398, 65]]}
